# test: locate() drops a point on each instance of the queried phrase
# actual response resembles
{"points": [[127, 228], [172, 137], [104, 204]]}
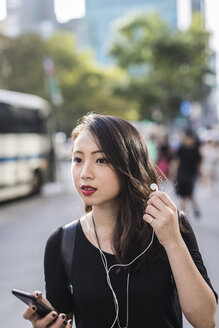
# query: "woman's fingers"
{"points": [[30, 312], [47, 320], [164, 198], [156, 202], [149, 219], [152, 211], [160, 207], [39, 295], [60, 320], [161, 214], [53, 319], [69, 324]]}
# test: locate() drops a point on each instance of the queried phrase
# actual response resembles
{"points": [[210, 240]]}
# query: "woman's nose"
{"points": [[87, 172]]}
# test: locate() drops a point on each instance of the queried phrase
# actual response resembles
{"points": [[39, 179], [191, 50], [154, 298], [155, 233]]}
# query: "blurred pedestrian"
{"points": [[163, 160], [188, 169], [210, 161], [135, 255]]}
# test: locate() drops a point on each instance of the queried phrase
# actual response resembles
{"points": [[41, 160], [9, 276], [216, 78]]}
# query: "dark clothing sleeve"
{"points": [[57, 291], [191, 242]]}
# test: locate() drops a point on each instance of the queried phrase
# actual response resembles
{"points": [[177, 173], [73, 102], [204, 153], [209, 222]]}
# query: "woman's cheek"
{"points": [[74, 177]]}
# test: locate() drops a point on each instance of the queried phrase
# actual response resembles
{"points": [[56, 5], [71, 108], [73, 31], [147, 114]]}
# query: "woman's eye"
{"points": [[102, 160], [76, 159]]}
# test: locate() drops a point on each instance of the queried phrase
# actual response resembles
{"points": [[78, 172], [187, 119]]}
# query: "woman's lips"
{"points": [[88, 190]]}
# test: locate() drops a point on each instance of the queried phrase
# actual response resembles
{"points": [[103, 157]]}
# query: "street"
{"points": [[26, 224]]}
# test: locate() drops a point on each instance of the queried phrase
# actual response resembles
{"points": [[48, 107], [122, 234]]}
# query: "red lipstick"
{"points": [[88, 190]]}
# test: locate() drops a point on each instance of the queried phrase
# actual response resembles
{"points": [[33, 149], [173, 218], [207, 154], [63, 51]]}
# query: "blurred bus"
{"points": [[27, 157]]}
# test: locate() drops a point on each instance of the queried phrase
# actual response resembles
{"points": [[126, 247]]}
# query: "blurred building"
{"points": [[185, 10], [102, 14], [211, 19], [209, 109], [93, 31], [29, 15]]}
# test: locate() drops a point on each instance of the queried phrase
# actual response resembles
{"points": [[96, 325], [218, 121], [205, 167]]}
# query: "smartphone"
{"points": [[29, 299]]}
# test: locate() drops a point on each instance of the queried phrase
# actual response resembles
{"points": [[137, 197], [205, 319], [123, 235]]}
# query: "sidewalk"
{"points": [[209, 205], [206, 229]]}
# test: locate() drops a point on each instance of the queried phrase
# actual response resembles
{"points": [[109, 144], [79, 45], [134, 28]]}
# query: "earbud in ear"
{"points": [[154, 187]]}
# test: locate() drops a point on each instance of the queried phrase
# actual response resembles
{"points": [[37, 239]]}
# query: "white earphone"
{"points": [[154, 187]]}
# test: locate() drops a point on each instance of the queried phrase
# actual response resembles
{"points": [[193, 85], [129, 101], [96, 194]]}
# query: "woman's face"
{"points": [[95, 180]]}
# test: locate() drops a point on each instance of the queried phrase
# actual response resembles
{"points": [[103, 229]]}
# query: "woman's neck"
{"points": [[104, 219], [101, 227]]}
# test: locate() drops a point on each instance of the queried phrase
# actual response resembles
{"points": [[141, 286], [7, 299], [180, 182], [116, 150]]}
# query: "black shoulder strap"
{"points": [[68, 245]]}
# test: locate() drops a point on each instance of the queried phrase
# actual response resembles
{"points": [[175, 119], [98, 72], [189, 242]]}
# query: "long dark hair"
{"points": [[127, 153]]}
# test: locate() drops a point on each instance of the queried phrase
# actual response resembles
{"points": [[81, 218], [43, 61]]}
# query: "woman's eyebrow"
{"points": [[93, 152]]}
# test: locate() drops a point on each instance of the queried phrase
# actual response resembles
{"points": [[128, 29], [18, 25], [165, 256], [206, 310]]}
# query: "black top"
{"points": [[153, 299], [189, 159]]}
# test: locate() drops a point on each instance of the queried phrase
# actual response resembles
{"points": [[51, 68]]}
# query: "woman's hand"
{"points": [[161, 214], [50, 320]]}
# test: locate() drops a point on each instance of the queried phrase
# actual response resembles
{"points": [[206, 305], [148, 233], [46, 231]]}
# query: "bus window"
{"points": [[30, 121], [21, 120], [7, 121]]}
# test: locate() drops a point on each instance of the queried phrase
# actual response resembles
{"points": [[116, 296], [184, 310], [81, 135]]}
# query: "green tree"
{"points": [[84, 86], [21, 64], [165, 65]]}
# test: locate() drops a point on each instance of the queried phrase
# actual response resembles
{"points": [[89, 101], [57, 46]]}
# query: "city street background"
{"points": [[153, 63], [26, 224]]}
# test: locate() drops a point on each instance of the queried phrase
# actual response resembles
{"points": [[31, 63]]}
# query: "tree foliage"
{"points": [[21, 66], [84, 86], [165, 65]]}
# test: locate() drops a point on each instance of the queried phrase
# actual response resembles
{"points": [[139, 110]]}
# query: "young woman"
{"points": [[125, 222]]}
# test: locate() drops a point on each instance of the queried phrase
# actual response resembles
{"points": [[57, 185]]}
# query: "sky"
{"points": [[2, 9], [69, 9]]}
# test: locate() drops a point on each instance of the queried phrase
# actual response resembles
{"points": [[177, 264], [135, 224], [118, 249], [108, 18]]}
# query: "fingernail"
{"points": [[70, 321], [63, 317], [33, 308], [54, 314]]}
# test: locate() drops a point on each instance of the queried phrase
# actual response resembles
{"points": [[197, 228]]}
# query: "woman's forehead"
{"points": [[85, 140]]}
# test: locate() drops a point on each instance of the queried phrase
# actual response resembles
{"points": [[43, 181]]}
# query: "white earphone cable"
{"points": [[105, 264], [153, 187]]}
